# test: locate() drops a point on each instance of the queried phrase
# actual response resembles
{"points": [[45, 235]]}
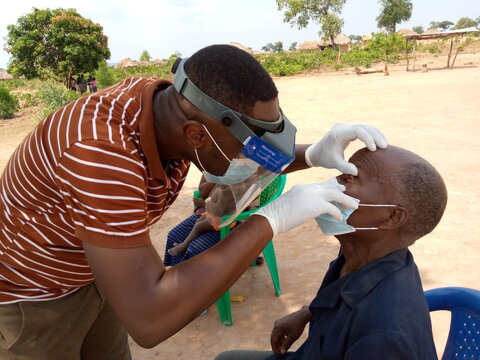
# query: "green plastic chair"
{"points": [[271, 192]]}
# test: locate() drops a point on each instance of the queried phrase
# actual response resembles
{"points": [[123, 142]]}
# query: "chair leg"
{"points": [[225, 309], [269, 254]]}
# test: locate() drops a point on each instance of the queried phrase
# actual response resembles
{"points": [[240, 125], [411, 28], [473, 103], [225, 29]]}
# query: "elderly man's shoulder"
{"points": [[396, 301]]}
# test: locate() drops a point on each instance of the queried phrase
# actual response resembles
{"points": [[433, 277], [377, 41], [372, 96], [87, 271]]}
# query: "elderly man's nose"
{"points": [[345, 179]]}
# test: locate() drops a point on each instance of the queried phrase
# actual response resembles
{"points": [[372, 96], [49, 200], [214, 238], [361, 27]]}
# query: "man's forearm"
{"points": [[299, 162], [154, 304]]}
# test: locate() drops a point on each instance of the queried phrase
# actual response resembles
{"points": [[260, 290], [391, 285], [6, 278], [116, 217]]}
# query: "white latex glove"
{"points": [[328, 152], [305, 202]]}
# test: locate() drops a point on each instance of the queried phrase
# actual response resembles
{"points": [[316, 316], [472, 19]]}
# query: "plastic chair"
{"points": [[464, 337], [271, 192]]}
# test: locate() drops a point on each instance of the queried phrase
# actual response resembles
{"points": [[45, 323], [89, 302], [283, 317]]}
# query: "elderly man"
{"points": [[370, 304]]}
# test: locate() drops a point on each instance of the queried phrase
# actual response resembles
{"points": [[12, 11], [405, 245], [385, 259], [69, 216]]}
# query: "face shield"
{"points": [[266, 152]]}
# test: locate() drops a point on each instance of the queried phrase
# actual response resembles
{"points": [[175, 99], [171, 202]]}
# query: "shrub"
{"points": [[8, 104], [27, 99], [105, 76], [54, 96]]}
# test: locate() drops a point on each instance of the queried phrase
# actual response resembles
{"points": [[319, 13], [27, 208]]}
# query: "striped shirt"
{"points": [[89, 171]]}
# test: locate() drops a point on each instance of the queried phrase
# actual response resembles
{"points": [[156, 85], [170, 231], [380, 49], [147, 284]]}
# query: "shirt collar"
{"points": [[355, 286], [148, 140]]}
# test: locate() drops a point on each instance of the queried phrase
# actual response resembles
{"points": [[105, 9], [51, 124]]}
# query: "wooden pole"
{"points": [[406, 52], [450, 53], [414, 54]]}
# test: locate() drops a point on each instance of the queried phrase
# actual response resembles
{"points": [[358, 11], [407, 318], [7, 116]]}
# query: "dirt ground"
{"points": [[435, 114]]}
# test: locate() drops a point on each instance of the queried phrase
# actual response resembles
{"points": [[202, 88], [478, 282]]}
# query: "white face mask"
{"points": [[331, 226], [238, 171]]}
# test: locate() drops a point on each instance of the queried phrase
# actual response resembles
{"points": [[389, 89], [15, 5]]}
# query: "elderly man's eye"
{"points": [[346, 179]]}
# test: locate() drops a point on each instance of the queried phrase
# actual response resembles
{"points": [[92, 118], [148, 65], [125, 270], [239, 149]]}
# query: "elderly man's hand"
{"points": [[328, 152], [288, 329]]}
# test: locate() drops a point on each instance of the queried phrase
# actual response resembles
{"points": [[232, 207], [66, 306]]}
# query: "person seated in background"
{"points": [[195, 234], [370, 304]]}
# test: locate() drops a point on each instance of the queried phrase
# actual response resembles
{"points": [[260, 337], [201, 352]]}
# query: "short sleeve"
{"points": [[104, 189], [388, 345]]}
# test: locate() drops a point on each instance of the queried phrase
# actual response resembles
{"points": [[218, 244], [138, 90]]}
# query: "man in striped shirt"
{"points": [[80, 192]]}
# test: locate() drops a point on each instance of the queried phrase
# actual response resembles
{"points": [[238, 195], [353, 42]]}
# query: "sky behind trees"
{"points": [[164, 27]]}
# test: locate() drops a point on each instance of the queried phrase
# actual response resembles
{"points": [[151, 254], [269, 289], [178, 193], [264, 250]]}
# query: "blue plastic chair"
{"points": [[464, 338]]}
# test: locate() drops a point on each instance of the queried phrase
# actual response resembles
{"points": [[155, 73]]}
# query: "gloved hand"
{"points": [[328, 152], [305, 202]]}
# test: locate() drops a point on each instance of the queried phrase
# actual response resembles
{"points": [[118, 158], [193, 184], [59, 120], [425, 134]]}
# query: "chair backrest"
{"points": [[464, 304], [270, 193]]}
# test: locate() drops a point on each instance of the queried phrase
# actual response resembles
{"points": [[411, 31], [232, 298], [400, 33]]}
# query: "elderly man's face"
{"points": [[373, 185]]}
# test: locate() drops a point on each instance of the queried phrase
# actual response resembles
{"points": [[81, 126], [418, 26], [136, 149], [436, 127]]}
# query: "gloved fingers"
{"points": [[347, 168], [378, 136], [334, 182], [364, 135], [331, 209], [346, 201]]}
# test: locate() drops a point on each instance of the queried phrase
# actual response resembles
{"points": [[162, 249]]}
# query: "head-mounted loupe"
{"points": [[280, 133]]}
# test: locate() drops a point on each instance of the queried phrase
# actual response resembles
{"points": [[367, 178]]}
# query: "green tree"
{"points": [[356, 38], [293, 46], [465, 22], [145, 56], [418, 29], [387, 46], [322, 12], [393, 12], [59, 42], [442, 25], [275, 47]]}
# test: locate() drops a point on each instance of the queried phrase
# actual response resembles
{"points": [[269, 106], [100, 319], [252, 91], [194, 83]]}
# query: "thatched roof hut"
{"points": [[127, 63], [241, 47], [309, 45], [342, 41], [406, 32], [4, 75]]}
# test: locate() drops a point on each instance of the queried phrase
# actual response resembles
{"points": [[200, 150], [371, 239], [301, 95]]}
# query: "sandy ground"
{"points": [[435, 114]]}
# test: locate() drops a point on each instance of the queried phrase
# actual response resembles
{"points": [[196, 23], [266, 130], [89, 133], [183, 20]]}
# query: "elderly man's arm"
{"points": [[387, 345], [288, 329]]}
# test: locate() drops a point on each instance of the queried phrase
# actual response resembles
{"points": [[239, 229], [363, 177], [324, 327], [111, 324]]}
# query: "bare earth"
{"points": [[435, 114]]}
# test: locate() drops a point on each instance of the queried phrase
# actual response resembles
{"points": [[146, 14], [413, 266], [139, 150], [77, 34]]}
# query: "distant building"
{"points": [[342, 42]]}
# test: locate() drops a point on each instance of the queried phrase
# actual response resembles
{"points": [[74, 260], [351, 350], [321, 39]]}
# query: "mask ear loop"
{"points": [[198, 159], [218, 147]]}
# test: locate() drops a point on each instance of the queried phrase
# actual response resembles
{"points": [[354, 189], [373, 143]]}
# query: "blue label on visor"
{"points": [[266, 155]]}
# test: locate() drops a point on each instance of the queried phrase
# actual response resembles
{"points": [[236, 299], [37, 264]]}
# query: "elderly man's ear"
{"points": [[398, 217]]}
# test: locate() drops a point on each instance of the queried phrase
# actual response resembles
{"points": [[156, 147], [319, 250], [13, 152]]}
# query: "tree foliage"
{"points": [[145, 56], [323, 12], [465, 22], [59, 42], [356, 38], [388, 46], [418, 29], [393, 12], [275, 47], [442, 25], [293, 46]]}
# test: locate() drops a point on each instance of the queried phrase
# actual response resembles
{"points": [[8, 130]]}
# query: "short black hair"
{"points": [[421, 190], [231, 76]]}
